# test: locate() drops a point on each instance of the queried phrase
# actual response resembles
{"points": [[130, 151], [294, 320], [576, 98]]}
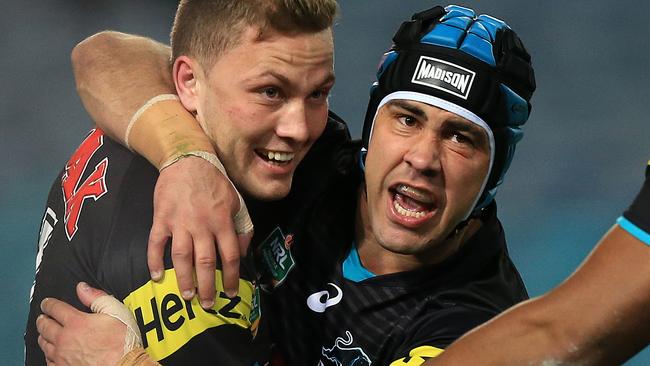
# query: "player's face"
{"points": [[424, 169], [264, 104]]}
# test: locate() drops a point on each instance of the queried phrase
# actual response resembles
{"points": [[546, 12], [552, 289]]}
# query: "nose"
{"points": [[293, 123], [423, 155]]}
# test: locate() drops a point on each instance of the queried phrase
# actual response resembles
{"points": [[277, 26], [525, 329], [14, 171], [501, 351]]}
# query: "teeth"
{"points": [[414, 193], [404, 212], [279, 156]]}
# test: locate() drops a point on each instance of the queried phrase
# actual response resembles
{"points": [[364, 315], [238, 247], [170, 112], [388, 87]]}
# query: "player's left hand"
{"points": [[72, 337]]}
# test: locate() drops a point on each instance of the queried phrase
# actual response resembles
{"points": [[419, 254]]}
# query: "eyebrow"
{"points": [[418, 112], [465, 126], [285, 81]]}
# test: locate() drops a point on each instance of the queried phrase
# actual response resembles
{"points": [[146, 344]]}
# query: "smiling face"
{"points": [[424, 170], [263, 103]]}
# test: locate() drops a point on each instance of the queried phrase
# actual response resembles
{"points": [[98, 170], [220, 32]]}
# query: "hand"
{"points": [[71, 337], [194, 204]]}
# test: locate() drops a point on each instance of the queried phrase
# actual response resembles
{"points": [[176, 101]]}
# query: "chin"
{"points": [[270, 192]]}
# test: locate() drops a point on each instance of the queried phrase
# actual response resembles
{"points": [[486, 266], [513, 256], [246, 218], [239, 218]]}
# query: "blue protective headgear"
{"points": [[474, 66]]}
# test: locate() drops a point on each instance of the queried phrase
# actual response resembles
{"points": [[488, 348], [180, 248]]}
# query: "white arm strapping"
{"points": [[138, 113], [111, 306]]}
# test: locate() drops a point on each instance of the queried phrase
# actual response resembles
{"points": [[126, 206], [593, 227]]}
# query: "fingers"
{"points": [[182, 257], [58, 310], [48, 350], [229, 252], [206, 262], [158, 238], [48, 330], [244, 242], [88, 294]]}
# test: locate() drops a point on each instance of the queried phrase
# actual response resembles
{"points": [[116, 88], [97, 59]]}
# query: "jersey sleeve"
{"points": [[636, 219]]}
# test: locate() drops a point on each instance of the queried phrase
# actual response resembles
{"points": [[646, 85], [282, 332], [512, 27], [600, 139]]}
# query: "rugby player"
{"points": [[99, 210], [393, 267], [562, 327]]}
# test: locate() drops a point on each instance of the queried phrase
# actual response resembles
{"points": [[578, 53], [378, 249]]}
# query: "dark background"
{"points": [[579, 165]]}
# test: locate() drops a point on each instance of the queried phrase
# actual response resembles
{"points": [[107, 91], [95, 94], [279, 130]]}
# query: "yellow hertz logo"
{"points": [[167, 321], [418, 356]]}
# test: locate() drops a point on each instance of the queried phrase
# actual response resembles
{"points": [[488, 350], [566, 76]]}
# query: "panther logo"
{"points": [[342, 355]]}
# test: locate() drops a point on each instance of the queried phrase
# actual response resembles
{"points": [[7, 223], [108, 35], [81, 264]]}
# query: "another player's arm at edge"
{"points": [[598, 316]]}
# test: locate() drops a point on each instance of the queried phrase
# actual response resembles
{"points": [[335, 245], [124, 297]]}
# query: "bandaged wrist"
{"points": [[242, 220], [137, 357], [114, 308], [162, 129], [636, 219]]}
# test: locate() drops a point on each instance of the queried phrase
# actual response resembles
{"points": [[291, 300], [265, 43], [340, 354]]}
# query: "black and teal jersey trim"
{"points": [[636, 219], [634, 230]]}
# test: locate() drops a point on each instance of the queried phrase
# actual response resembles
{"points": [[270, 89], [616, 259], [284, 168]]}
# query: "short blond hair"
{"points": [[203, 29]]}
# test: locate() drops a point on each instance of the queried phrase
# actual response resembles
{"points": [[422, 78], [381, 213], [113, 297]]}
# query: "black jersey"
{"points": [[329, 310], [95, 229], [96, 226]]}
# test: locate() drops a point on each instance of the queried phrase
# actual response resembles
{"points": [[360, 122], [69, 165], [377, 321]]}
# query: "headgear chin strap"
{"points": [[466, 63]]}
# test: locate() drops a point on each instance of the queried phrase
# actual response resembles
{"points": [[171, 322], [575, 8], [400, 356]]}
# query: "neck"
{"points": [[378, 259]]}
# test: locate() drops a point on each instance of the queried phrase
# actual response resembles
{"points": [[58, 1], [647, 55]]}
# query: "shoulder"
{"points": [[98, 181], [442, 327]]}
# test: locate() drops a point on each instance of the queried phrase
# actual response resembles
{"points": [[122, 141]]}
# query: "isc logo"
{"points": [[167, 321]]}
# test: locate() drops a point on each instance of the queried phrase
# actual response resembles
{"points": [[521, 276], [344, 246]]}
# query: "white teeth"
{"points": [[404, 212], [279, 156], [414, 193]]}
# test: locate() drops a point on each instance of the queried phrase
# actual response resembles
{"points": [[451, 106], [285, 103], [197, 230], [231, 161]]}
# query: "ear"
{"points": [[186, 73]]}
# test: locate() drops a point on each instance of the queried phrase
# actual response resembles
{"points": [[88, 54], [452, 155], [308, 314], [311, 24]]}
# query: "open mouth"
{"points": [[275, 157], [411, 202]]}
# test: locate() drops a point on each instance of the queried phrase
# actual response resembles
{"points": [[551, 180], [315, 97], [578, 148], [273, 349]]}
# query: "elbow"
{"points": [[87, 55]]}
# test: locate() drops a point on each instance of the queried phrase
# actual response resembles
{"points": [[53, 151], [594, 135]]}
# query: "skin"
{"points": [[196, 211], [563, 327], [193, 210], [413, 143], [444, 159], [78, 338], [598, 316], [267, 95], [272, 96]]}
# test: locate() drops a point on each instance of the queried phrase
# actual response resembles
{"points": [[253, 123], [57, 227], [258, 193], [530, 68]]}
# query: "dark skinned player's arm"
{"points": [[598, 316]]}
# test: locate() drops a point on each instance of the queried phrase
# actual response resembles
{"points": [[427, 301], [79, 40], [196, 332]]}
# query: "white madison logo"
{"points": [[443, 75], [321, 300]]}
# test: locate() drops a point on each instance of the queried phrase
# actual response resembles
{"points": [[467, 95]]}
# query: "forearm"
{"points": [[116, 74], [597, 317]]}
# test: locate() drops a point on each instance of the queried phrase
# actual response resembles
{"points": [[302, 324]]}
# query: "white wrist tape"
{"points": [[138, 113], [112, 307], [242, 219]]}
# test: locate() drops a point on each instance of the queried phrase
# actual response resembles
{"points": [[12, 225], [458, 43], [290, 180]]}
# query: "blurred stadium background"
{"points": [[578, 166]]}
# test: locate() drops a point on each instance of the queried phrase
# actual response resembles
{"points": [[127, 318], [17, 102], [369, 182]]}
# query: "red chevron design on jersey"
{"points": [[76, 192]]}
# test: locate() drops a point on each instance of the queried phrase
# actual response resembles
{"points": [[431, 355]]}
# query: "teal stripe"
{"points": [[636, 231], [353, 270]]}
